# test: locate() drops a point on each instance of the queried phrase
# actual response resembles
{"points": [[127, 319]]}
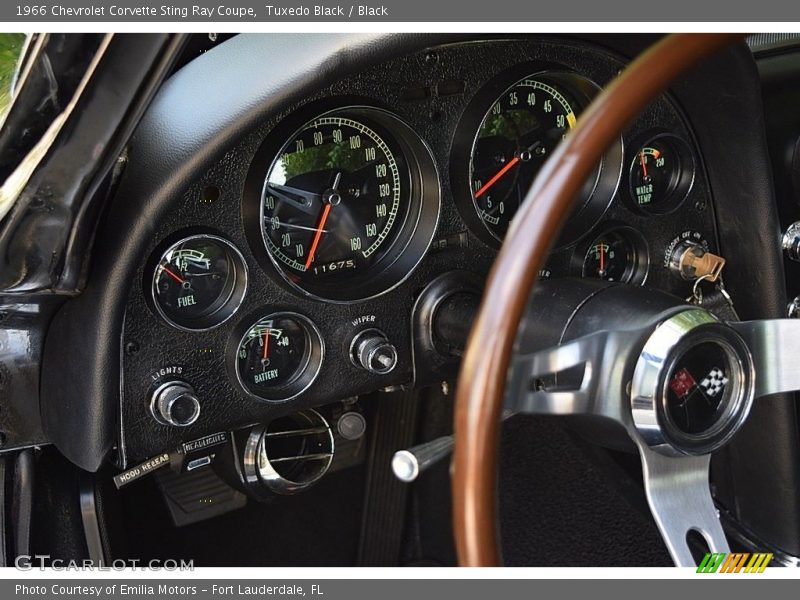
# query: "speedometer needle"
{"points": [[320, 228], [497, 176], [324, 219]]}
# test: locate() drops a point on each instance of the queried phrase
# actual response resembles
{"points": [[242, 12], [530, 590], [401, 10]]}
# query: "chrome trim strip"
{"points": [[91, 522]]}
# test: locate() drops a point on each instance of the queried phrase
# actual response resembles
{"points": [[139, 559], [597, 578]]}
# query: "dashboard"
{"points": [[296, 272]]}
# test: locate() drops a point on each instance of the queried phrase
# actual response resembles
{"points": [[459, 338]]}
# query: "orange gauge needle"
{"points": [[322, 220], [602, 258], [175, 276], [643, 160], [506, 168], [266, 345]]}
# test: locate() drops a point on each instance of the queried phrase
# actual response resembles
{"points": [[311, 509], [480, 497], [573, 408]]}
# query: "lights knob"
{"points": [[371, 350], [175, 403]]}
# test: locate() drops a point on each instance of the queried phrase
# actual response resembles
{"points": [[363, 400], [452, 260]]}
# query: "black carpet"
{"points": [[565, 502]]}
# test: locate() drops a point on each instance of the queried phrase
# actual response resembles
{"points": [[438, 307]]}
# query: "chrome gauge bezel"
{"points": [[229, 305], [637, 272], [410, 243], [687, 173], [306, 374], [600, 190]]}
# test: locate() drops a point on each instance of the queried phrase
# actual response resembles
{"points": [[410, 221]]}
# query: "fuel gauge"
{"points": [[279, 356], [199, 282]]}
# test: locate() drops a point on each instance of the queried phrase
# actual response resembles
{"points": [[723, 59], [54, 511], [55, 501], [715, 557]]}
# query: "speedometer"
{"points": [[341, 202]]}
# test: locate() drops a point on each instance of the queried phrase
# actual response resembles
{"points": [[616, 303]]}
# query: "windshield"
{"points": [[11, 45]]}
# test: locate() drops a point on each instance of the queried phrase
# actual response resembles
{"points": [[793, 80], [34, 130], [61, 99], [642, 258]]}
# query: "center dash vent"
{"points": [[289, 454]]}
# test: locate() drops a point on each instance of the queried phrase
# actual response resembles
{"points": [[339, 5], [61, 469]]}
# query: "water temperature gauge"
{"points": [[199, 282], [279, 356], [661, 174]]}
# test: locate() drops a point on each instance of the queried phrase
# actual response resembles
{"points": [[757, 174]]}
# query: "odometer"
{"points": [[336, 200]]}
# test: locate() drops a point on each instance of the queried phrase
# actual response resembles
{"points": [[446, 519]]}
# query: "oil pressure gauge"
{"points": [[198, 282], [618, 254], [279, 356]]}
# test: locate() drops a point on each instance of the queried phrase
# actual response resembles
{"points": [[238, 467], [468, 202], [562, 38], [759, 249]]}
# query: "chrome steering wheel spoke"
{"points": [[679, 496], [775, 346], [586, 374]]}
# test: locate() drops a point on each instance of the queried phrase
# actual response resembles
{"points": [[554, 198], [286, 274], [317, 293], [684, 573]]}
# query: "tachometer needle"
{"points": [[175, 276], [320, 228], [506, 168]]}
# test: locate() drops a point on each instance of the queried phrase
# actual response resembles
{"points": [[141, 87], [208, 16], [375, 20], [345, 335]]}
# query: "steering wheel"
{"points": [[634, 372]]}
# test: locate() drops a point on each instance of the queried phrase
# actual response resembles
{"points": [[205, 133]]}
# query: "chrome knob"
{"points": [[791, 241], [371, 350], [174, 403], [408, 464], [793, 309]]}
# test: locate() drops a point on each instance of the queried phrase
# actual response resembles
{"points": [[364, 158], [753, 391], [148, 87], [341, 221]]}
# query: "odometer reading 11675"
{"points": [[334, 201]]}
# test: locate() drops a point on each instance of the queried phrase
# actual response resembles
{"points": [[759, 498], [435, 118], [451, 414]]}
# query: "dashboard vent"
{"points": [[289, 454]]}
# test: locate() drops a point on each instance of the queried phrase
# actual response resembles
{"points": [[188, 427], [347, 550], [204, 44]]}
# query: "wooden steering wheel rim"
{"points": [[481, 383]]}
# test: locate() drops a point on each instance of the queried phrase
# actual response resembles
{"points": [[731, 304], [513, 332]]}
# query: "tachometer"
{"points": [[513, 130], [341, 202], [516, 136]]}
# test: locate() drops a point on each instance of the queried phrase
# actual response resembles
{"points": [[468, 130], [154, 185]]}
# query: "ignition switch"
{"points": [[690, 261]]}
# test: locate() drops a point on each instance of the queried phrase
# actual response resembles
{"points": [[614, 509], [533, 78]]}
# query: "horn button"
{"points": [[693, 385], [699, 388]]}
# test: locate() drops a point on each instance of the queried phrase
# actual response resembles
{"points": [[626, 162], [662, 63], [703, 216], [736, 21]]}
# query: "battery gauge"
{"points": [[279, 356]]}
